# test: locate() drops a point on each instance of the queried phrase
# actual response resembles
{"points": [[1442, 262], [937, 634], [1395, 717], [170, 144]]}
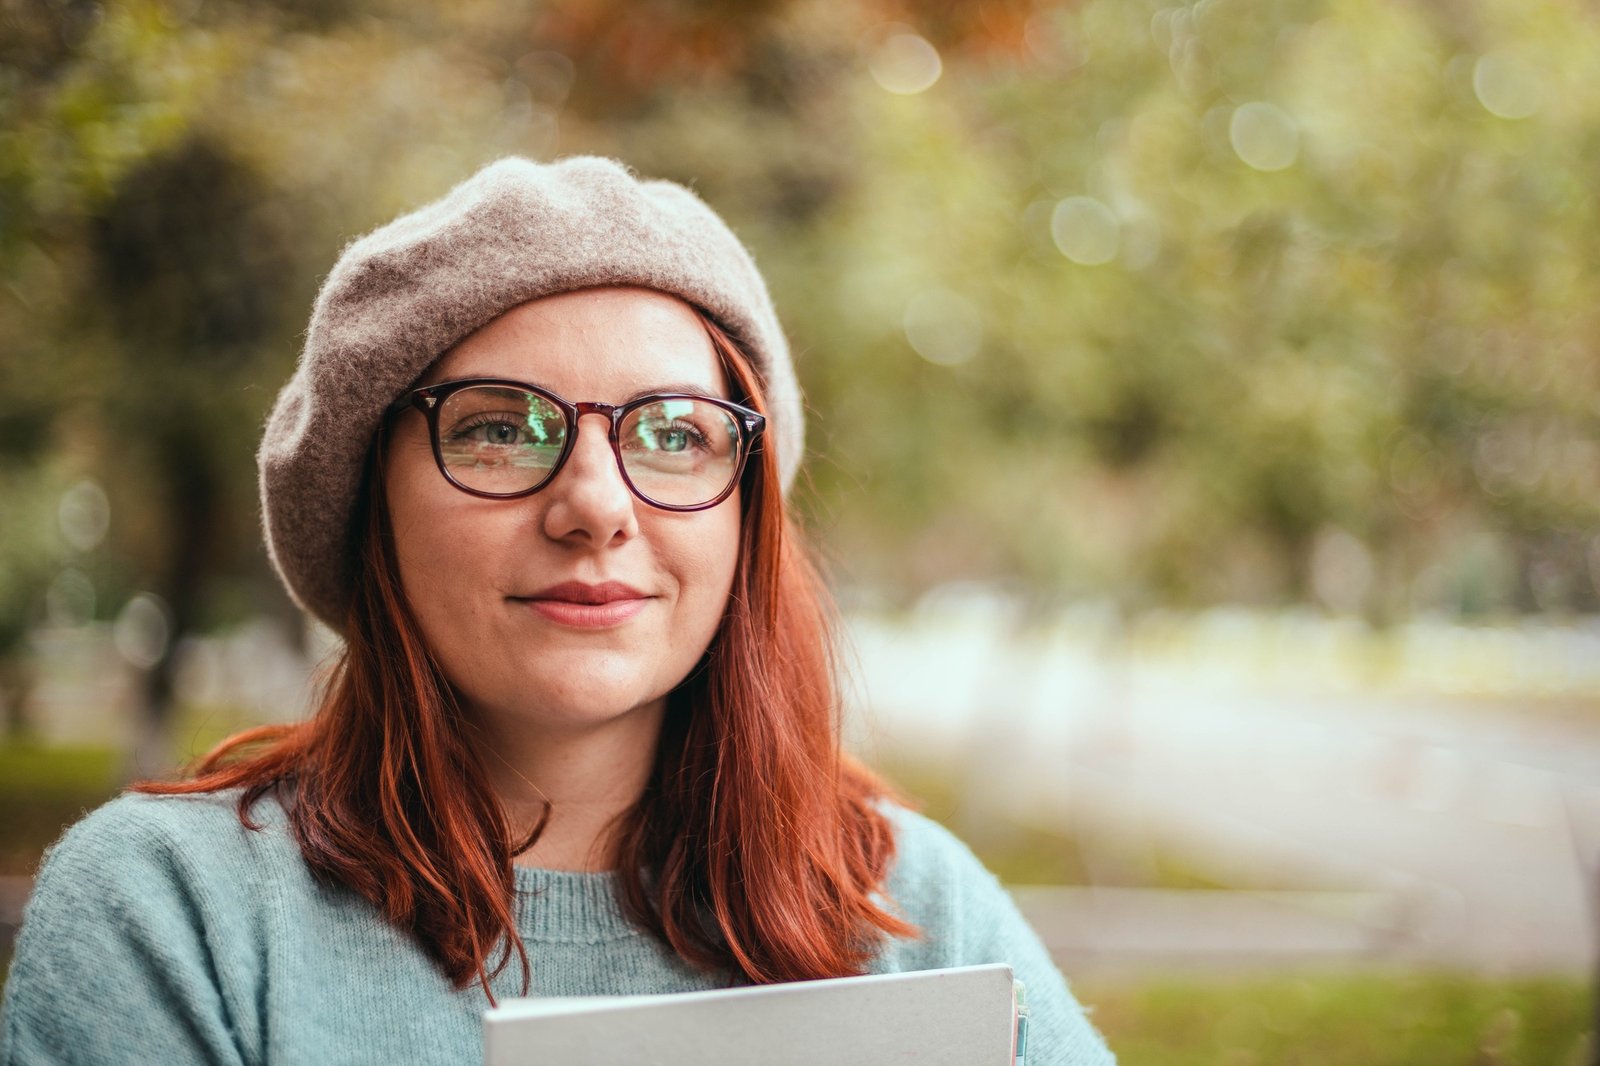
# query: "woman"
{"points": [[582, 735]]}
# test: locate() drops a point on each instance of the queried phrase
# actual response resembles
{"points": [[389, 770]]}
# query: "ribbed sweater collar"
{"points": [[562, 906]]}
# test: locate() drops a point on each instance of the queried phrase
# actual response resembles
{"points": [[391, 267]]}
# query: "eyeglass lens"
{"points": [[504, 441]]}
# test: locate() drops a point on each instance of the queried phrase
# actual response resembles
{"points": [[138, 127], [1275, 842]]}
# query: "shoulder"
{"points": [[965, 917], [136, 827], [921, 841], [138, 846], [931, 862], [940, 886], [147, 921], [140, 817]]}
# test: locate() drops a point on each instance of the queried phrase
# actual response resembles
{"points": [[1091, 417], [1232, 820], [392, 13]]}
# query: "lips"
{"points": [[584, 606]]}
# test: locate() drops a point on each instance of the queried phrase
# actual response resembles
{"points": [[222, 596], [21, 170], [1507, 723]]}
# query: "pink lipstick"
{"points": [[582, 606]]}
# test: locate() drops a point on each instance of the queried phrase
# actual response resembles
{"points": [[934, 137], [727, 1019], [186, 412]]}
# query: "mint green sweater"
{"points": [[161, 931]]}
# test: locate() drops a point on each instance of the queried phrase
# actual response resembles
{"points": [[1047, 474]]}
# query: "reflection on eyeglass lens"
{"points": [[679, 452]]}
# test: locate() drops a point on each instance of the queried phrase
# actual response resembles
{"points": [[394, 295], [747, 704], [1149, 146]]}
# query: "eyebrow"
{"points": [[688, 387], [694, 388]]}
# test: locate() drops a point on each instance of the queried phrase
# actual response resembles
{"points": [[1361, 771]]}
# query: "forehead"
{"points": [[603, 344]]}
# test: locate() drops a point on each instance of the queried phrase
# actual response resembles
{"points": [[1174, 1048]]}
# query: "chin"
{"points": [[577, 699]]}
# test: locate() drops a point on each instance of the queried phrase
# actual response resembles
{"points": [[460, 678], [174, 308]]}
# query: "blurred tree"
{"points": [[183, 292], [167, 213], [28, 563], [144, 264], [1173, 303]]}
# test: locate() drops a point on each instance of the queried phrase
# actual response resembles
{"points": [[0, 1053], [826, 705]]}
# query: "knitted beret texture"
{"points": [[404, 294]]}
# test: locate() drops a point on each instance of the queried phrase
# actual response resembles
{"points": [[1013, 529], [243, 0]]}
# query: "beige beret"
{"points": [[404, 294]]}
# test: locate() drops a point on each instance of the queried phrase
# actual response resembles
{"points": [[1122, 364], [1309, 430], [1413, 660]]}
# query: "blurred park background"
{"points": [[1205, 438]]}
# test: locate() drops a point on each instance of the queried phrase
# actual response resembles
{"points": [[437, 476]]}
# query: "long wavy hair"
{"points": [[755, 849]]}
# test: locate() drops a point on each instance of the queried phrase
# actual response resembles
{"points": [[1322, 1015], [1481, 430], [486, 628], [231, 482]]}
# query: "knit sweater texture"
{"points": [[160, 930]]}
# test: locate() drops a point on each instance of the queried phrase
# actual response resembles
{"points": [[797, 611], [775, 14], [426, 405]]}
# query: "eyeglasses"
{"points": [[504, 439]]}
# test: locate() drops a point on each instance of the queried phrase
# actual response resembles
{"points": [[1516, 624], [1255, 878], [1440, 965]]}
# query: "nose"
{"points": [[588, 500]]}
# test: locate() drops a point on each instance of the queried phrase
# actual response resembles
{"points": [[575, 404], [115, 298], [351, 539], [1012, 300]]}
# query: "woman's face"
{"points": [[497, 585]]}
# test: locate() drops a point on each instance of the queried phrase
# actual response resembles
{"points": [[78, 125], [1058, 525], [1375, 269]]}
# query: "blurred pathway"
{"points": [[1453, 831], [1416, 830]]}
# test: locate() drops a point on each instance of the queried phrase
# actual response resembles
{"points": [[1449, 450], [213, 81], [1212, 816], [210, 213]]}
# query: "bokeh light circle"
{"points": [[905, 63], [84, 516], [1264, 136], [1085, 230], [1507, 85], [943, 327], [143, 630]]}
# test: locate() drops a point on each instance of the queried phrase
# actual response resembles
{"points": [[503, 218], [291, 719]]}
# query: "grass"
{"points": [[45, 789], [1350, 1020], [1019, 855], [1367, 1019], [42, 791], [1037, 853]]}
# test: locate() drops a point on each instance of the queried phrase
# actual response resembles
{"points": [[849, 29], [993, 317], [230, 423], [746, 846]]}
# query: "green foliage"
{"points": [[33, 552], [1214, 302], [1356, 342], [1371, 1019]]}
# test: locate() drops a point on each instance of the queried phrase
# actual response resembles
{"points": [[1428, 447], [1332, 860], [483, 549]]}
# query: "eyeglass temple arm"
{"points": [[421, 399]]}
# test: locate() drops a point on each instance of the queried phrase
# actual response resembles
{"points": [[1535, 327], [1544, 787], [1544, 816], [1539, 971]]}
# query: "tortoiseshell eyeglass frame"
{"points": [[430, 400]]}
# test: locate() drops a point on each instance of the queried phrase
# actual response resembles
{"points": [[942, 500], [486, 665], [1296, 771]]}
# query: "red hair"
{"points": [[756, 847]]}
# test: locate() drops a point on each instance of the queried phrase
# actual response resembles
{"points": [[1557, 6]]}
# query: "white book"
{"points": [[963, 1016]]}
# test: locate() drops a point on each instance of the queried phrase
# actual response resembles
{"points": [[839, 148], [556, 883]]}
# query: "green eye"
{"points": [[675, 438], [498, 434], [502, 440]]}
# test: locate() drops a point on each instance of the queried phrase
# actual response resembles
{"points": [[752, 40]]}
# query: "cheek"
{"points": [[711, 559], [435, 547], [411, 519]]}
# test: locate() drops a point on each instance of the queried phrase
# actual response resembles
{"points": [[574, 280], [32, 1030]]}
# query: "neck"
{"points": [[589, 777]]}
